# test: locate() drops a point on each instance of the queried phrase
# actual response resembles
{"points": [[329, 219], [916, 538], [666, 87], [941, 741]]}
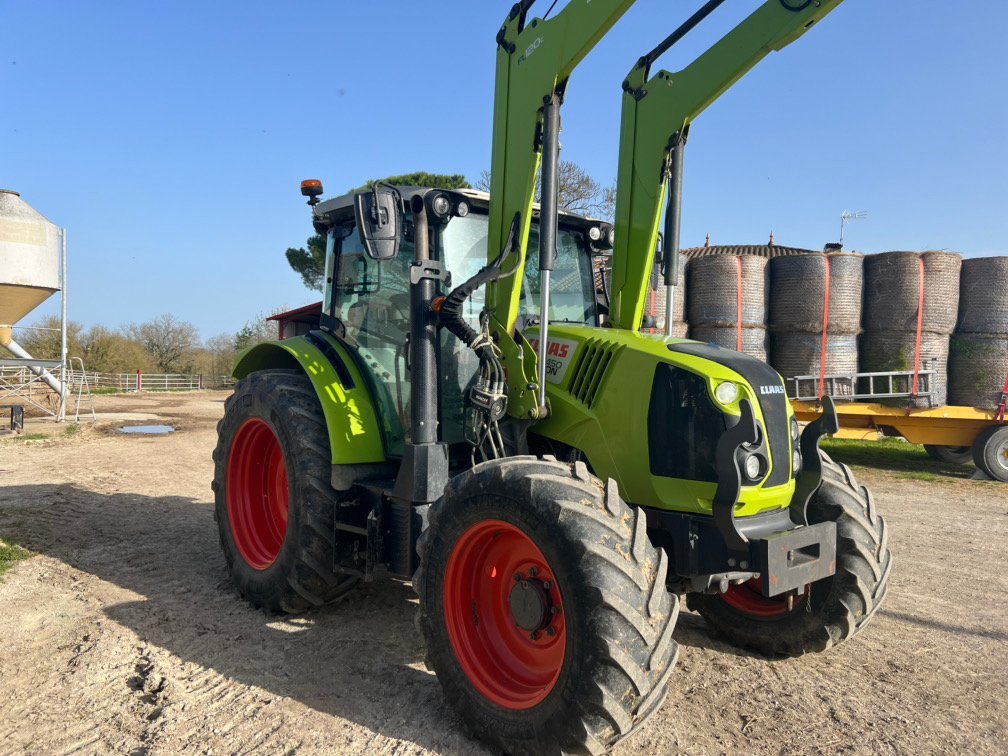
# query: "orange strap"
{"points": [[825, 328], [738, 305], [920, 327]]}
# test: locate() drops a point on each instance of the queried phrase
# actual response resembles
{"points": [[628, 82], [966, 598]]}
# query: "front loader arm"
{"points": [[534, 61], [657, 112]]}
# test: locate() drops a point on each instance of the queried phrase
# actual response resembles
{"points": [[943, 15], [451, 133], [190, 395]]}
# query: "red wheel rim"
{"points": [[511, 667], [748, 599], [257, 496]]}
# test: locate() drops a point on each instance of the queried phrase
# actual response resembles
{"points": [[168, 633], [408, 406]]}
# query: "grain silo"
{"points": [[32, 257], [911, 303], [978, 356], [815, 315]]}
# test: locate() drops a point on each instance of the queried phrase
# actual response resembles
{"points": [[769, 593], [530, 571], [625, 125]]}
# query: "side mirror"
{"points": [[379, 221]]}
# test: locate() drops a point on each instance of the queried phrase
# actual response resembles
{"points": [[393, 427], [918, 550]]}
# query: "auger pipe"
{"points": [[657, 108]]}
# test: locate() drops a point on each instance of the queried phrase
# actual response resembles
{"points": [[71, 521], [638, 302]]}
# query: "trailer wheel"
{"points": [[829, 611], [956, 455], [274, 504], [990, 452], [543, 607]]}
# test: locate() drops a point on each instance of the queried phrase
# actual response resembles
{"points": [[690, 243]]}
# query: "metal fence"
{"points": [[126, 382]]}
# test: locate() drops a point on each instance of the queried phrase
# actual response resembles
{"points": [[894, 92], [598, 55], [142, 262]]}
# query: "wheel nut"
{"points": [[534, 571], [554, 610], [518, 577], [548, 585], [550, 631], [535, 635]]}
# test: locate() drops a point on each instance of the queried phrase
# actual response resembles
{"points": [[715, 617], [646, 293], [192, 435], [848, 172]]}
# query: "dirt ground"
{"points": [[123, 634]]}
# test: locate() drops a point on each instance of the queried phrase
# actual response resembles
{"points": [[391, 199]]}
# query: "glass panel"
{"points": [[572, 285], [372, 301]]}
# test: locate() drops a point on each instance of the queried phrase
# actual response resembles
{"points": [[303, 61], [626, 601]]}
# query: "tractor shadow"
{"points": [[360, 659]]}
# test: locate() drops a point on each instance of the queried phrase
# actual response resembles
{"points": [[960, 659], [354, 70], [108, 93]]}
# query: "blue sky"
{"points": [[169, 138]]}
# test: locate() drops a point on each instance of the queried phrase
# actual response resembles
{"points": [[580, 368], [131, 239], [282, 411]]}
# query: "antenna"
{"points": [[846, 216]]}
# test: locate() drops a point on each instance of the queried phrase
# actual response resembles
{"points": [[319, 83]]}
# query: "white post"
{"points": [[63, 326]]}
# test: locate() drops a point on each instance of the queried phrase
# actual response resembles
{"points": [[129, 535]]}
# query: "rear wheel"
{"points": [[957, 455], [543, 607], [829, 611], [274, 504], [990, 452]]}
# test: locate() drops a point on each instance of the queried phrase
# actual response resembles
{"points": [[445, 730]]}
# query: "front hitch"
{"points": [[730, 478], [810, 479]]}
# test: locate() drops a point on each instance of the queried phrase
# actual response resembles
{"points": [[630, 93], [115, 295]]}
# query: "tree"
{"points": [[170, 341], [578, 192], [43, 340], [254, 332], [309, 261], [109, 351]]}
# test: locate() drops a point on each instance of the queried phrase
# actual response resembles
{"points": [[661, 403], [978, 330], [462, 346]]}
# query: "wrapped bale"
{"points": [[798, 292], [807, 293], [978, 368], [753, 339], [893, 351], [983, 296], [892, 291], [727, 301], [800, 353], [910, 295]]}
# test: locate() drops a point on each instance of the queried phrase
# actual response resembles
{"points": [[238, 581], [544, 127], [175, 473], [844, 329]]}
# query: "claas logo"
{"points": [[553, 349]]}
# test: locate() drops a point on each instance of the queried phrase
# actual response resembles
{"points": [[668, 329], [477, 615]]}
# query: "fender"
{"points": [[354, 429]]}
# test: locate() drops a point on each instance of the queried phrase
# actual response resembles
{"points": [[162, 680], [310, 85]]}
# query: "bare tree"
{"points": [[579, 192], [170, 341]]}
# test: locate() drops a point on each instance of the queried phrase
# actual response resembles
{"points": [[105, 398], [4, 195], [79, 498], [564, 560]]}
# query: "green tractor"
{"points": [[472, 414]]}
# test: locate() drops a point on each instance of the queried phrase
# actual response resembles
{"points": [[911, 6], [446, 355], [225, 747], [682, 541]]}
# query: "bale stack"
{"points": [[728, 301], [815, 314], [978, 362], [911, 304]]}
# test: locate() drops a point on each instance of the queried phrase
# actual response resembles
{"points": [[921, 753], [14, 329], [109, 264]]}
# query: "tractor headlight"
{"points": [[727, 392], [796, 463], [462, 209], [794, 428], [594, 233], [753, 467]]}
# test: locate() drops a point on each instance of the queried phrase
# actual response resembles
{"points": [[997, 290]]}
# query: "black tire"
{"points": [[834, 609], [956, 455], [619, 615], [303, 574], [990, 452]]}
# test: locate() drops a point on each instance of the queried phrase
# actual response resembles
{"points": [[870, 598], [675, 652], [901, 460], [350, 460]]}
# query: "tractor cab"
{"points": [[367, 300]]}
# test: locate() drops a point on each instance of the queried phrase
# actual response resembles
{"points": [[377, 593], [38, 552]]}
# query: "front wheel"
{"points": [[829, 611], [543, 607]]}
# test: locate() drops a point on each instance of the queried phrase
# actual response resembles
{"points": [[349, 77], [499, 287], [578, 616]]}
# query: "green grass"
{"points": [[71, 430], [908, 461], [10, 554]]}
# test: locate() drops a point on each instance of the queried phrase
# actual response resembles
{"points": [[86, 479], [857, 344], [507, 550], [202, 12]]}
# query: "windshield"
{"points": [[462, 245]]}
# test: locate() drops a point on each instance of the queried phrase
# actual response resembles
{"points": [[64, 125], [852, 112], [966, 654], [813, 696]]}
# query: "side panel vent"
{"points": [[590, 369]]}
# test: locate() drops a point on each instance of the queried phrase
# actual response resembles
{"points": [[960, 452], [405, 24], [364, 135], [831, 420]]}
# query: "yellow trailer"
{"points": [[949, 433]]}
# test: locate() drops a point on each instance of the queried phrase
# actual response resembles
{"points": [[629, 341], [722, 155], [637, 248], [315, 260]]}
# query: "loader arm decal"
{"points": [[657, 110]]}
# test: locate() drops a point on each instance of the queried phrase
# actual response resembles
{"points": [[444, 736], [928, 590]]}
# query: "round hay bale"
{"points": [[798, 353], [893, 351], [753, 339], [978, 366], [798, 292], [892, 291], [983, 296], [713, 290]]}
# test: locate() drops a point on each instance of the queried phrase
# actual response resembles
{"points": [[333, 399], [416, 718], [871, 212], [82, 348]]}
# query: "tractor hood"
{"points": [[646, 410]]}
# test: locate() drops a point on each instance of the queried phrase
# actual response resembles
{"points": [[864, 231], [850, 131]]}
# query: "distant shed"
{"points": [[297, 322]]}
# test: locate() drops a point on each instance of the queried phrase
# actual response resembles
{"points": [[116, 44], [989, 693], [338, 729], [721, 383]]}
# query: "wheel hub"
{"points": [[530, 604]]}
